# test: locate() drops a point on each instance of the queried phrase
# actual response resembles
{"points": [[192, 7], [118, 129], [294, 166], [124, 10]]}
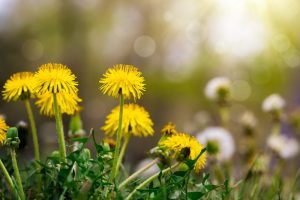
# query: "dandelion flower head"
{"points": [[136, 121], [123, 78], [218, 88], [181, 141], [68, 103], [19, 86], [3, 129], [55, 78], [220, 137], [169, 129], [284, 146], [273, 103]]}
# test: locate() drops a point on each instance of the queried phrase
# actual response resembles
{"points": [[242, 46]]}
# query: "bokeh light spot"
{"points": [[241, 90], [144, 46]]}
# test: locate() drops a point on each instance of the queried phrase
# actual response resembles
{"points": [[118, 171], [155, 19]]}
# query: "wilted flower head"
{"points": [[273, 103], [19, 86], [125, 79], [218, 141], [3, 129], [285, 147], [55, 78], [184, 145], [136, 121], [67, 103], [218, 89], [169, 129]]}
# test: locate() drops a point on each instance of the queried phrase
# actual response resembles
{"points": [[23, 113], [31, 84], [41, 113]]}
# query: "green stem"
{"points": [[149, 180], [8, 178], [137, 173], [224, 115], [59, 128], [123, 149], [276, 128], [118, 143], [34, 133], [17, 173]]}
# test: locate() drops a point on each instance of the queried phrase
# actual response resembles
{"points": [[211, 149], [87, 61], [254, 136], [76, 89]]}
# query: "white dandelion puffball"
{"points": [[273, 102], [285, 147], [221, 137], [149, 172], [214, 86], [248, 119]]}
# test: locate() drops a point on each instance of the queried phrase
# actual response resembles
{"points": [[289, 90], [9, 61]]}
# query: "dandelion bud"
{"points": [[55, 154], [218, 90], [12, 139], [75, 127]]}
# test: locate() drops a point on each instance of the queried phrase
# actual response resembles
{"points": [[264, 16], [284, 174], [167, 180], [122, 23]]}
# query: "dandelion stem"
{"points": [[17, 173], [146, 182], [59, 128], [34, 133], [123, 149], [137, 173], [7, 176], [118, 143], [224, 116], [276, 128]]}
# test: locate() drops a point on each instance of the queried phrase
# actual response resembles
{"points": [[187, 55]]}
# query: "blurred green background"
{"points": [[178, 45]]}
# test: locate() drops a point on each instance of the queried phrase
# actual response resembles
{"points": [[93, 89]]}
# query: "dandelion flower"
{"points": [[218, 89], [3, 129], [180, 142], [19, 86], [123, 78], [285, 147], [273, 103], [55, 78], [67, 103], [136, 121], [218, 141], [169, 129]]}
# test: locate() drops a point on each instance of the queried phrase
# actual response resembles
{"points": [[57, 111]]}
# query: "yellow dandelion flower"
{"points": [[180, 141], [55, 78], [3, 129], [169, 129], [19, 86], [136, 121], [123, 78], [67, 103]]}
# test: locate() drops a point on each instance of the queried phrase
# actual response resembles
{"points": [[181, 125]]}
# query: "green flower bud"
{"points": [[12, 132], [12, 139]]}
